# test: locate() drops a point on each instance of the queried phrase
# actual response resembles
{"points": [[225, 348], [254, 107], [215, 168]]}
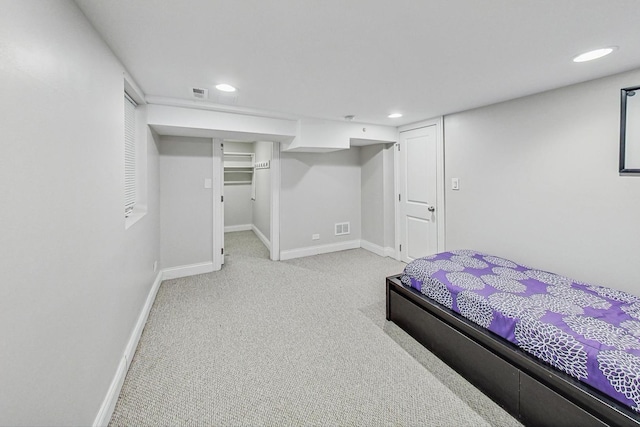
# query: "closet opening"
{"points": [[247, 199]]}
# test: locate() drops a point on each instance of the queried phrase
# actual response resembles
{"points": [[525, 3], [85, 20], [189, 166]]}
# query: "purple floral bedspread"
{"points": [[590, 332]]}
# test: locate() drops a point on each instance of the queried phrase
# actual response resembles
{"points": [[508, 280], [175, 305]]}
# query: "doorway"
{"points": [[247, 198], [270, 196], [420, 190]]}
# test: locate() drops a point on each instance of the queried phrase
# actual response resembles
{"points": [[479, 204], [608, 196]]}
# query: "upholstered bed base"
{"points": [[531, 391]]}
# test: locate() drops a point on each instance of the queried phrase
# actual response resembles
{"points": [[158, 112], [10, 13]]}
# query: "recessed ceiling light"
{"points": [[225, 87], [394, 115], [594, 54]]}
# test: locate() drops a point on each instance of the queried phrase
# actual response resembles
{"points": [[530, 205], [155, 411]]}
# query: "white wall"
{"points": [[232, 125], [186, 206], [321, 136], [238, 208], [539, 183], [74, 280], [262, 203], [317, 191], [389, 199], [377, 198], [237, 205], [372, 194]]}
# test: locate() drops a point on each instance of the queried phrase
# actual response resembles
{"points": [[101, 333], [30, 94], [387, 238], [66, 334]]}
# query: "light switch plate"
{"points": [[455, 183], [207, 183]]}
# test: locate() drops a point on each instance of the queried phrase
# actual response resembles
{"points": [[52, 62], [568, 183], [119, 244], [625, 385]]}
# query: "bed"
{"points": [[548, 349]]}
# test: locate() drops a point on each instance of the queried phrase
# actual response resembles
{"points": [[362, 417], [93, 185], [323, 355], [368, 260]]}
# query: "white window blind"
{"points": [[129, 155]]}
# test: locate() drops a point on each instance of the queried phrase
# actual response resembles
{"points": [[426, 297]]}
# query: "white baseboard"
{"points": [[261, 236], [110, 400], [378, 250], [232, 228], [372, 247], [390, 252], [317, 250], [142, 320], [187, 270]]}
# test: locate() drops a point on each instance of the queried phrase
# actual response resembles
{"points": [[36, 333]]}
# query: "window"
{"points": [[129, 155]]}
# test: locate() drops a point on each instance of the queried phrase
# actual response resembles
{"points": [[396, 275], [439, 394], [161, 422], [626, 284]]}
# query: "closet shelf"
{"points": [[237, 154], [234, 161], [238, 170]]}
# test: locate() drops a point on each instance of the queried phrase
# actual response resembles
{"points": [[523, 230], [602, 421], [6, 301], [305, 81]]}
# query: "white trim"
{"points": [[274, 238], [187, 270], [320, 249], [224, 108], [142, 320], [420, 124], [440, 185], [111, 398], [390, 252], [218, 206], [396, 203], [132, 89], [261, 236], [372, 247], [234, 228], [135, 216]]}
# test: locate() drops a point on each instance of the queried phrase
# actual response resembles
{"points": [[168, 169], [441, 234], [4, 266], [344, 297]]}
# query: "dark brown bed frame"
{"points": [[533, 392]]}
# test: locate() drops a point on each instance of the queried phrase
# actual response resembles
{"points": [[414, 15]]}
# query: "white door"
{"points": [[218, 205], [417, 174], [221, 180]]}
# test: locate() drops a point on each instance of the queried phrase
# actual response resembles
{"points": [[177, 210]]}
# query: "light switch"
{"points": [[207, 183], [455, 183]]}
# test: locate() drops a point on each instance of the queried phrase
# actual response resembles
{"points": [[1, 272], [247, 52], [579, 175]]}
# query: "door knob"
{"points": [[431, 208]]}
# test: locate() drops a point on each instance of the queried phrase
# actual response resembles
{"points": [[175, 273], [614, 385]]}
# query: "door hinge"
{"points": [[399, 198], [400, 248], [221, 251], [222, 198]]}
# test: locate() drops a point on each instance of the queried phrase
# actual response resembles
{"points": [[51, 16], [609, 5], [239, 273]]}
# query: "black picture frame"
{"points": [[626, 93]]}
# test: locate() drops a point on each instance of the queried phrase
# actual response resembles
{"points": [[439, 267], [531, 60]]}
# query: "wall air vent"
{"points": [[342, 228], [199, 93]]}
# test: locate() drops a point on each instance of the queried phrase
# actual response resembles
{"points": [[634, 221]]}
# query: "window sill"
{"points": [[138, 213]]}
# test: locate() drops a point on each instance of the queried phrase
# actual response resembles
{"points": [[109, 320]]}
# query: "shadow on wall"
{"points": [[299, 164], [186, 147]]}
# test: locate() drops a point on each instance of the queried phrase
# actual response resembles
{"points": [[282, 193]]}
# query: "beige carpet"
{"points": [[301, 342]]}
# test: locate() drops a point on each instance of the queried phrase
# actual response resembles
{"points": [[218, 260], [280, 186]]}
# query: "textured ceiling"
{"points": [[332, 58]]}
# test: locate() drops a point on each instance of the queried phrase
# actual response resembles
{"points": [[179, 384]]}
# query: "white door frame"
{"points": [[440, 177], [218, 205], [274, 231]]}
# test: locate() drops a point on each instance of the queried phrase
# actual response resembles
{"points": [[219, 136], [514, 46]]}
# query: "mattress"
{"points": [[588, 331]]}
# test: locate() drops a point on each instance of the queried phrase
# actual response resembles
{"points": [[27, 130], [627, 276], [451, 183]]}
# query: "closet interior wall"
{"points": [[247, 190], [261, 205], [238, 212]]}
